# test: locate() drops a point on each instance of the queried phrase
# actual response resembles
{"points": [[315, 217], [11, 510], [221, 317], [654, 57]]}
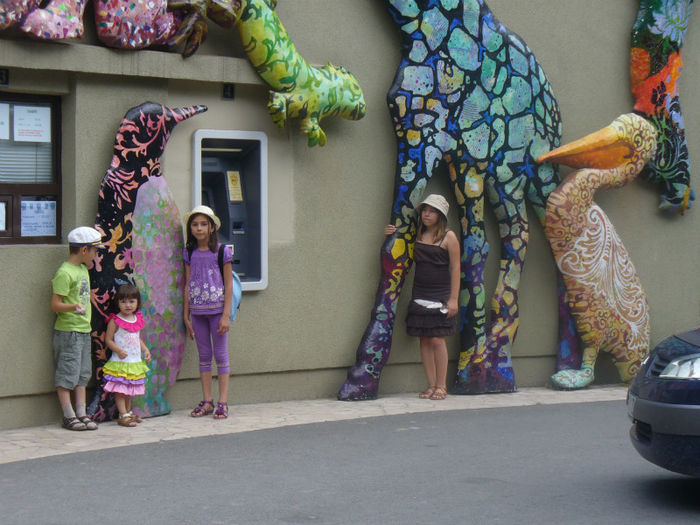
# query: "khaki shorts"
{"points": [[71, 352]]}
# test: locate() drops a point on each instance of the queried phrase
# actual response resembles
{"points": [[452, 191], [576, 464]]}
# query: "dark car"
{"points": [[664, 404]]}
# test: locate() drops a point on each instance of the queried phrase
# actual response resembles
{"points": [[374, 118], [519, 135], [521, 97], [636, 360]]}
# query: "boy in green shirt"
{"points": [[71, 339]]}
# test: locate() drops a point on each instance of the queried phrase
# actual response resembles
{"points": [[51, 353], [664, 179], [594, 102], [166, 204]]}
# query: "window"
{"points": [[30, 178]]}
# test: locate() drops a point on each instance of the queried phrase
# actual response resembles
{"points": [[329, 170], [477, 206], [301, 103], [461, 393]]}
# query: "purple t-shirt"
{"points": [[206, 282]]}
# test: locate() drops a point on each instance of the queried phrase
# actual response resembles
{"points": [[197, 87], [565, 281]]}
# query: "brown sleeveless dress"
{"points": [[432, 282]]}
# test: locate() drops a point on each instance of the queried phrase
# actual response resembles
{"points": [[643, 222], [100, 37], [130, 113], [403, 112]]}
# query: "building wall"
{"points": [[328, 206]]}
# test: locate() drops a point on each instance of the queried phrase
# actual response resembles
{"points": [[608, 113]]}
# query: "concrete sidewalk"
{"points": [[52, 440]]}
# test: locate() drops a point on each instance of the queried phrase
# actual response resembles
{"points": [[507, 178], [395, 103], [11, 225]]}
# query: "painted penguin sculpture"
{"points": [[140, 226]]}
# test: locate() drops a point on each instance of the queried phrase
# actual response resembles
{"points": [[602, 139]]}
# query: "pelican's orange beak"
{"points": [[604, 149]]}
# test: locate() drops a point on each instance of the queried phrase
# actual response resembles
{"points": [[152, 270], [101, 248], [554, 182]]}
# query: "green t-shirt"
{"points": [[73, 283]]}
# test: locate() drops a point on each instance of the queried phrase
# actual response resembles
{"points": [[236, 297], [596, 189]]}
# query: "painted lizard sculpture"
{"points": [[298, 89]]}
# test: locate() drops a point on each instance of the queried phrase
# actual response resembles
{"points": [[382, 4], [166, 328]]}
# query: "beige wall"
{"points": [[327, 206]]}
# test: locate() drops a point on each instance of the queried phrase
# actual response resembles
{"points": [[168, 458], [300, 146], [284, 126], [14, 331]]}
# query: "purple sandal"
{"points": [[203, 409], [221, 411]]}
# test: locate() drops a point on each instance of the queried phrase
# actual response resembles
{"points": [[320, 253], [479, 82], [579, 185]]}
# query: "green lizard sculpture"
{"points": [[298, 89]]}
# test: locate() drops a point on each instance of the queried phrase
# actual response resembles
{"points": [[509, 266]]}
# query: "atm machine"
{"points": [[230, 176]]}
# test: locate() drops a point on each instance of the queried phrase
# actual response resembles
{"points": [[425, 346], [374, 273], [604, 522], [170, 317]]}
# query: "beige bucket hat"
{"points": [[436, 201], [204, 210]]}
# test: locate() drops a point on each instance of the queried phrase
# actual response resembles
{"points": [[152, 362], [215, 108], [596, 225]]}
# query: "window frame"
{"points": [[13, 193]]}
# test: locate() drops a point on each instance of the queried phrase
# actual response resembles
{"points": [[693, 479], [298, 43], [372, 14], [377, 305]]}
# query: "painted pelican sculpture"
{"points": [[141, 228], [604, 292]]}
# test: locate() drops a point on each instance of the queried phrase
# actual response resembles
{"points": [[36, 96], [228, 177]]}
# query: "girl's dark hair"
{"points": [[127, 291], [191, 242]]}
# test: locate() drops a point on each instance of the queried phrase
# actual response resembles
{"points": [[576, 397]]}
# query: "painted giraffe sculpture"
{"points": [[606, 296], [468, 93]]}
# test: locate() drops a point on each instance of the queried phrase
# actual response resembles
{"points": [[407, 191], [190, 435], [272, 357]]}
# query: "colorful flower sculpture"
{"points": [[604, 292], [656, 64], [298, 89], [470, 94], [142, 230]]}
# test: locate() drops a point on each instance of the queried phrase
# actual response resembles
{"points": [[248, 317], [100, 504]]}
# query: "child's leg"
{"points": [[426, 352], [202, 336], [79, 393], [223, 380], [64, 401], [84, 347], [220, 349], [205, 378], [133, 416], [120, 401], [440, 357], [71, 351]]}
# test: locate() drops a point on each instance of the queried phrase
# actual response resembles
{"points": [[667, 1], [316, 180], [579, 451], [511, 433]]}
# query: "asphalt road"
{"points": [[542, 464]]}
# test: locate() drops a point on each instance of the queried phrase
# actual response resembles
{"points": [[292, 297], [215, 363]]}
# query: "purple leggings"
{"points": [[205, 327]]}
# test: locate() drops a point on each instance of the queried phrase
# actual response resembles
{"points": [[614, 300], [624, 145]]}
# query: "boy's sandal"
{"points": [[88, 422], [203, 409], [126, 421], [73, 423], [439, 394], [221, 411], [425, 394]]}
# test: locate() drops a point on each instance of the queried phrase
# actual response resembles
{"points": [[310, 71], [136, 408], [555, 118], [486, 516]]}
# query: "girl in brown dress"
{"points": [[433, 307]]}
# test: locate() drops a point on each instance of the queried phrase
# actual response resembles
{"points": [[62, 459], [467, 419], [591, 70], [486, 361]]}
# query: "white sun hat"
{"points": [[436, 201], [204, 210]]}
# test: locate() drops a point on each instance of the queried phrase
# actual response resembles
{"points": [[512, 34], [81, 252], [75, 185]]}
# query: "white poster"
{"points": [[32, 124], [38, 218], [3, 220], [4, 122]]}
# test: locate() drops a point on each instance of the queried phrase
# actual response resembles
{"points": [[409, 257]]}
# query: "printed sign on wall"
{"points": [[38, 218], [32, 124]]}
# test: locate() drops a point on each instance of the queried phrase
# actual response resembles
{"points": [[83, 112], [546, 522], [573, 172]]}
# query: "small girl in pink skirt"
{"points": [[125, 372]]}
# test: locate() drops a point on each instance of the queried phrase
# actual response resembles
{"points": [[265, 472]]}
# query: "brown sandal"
{"points": [[126, 421], [73, 423], [135, 418], [439, 394], [427, 393]]}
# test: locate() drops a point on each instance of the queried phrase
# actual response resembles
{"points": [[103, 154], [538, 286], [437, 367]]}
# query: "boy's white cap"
{"points": [[204, 210], [436, 201], [85, 236]]}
